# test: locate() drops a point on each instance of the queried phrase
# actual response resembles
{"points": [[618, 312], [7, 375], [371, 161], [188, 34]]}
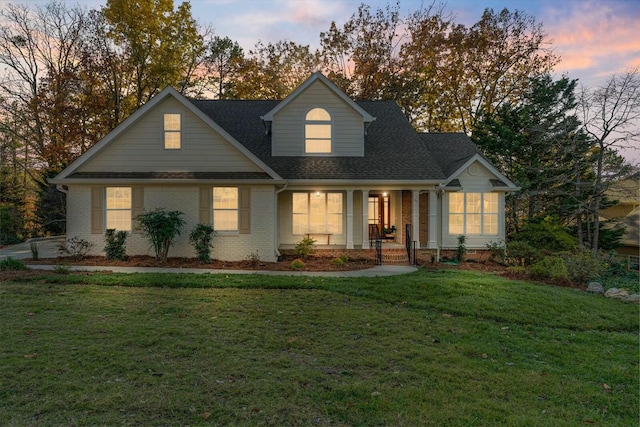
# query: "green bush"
{"points": [[35, 250], [584, 266], [75, 248], [497, 252], [461, 250], [339, 261], [521, 253], [535, 240], [161, 228], [305, 247], [550, 267], [297, 264], [12, 264], [201, 238], [115, 244]]}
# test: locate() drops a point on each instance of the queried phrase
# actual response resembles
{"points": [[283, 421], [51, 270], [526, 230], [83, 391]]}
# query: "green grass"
{"points": [[432, 348]]}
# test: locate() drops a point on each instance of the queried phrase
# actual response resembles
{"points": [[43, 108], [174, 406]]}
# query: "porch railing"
{"points": [[410, 245]]}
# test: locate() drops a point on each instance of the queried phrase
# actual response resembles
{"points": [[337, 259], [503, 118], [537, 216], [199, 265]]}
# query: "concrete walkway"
{"points": [[48, 248]]}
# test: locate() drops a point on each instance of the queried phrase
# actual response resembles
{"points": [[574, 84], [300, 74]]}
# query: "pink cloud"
{"points": [[601, 37]]}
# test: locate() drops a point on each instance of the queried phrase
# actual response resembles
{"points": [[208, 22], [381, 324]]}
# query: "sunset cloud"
{"points": [[594, 38]]}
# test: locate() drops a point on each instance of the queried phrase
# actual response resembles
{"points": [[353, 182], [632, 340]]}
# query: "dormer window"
{"points": [[317, 131], [172, 129]]}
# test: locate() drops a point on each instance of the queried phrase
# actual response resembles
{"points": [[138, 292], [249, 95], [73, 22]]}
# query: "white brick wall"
{"points": [[261, 240]]}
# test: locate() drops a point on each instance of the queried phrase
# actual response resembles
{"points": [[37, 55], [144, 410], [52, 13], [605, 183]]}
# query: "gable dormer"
{"points": [[318, 119]]}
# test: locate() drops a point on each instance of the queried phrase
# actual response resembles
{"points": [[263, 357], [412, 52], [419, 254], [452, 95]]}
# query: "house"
{"points": [[266, 174], [626, 213]]}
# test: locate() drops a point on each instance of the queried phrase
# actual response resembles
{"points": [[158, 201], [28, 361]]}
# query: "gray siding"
{"points": [[141, 147], [347, 124]]}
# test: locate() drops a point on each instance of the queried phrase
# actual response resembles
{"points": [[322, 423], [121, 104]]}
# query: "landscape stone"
{"points": [[617, 293], [595, 288]]}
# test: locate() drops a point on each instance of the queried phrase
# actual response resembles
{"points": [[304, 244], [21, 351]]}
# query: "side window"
{"points": [[473, 213], [172, 131], [118, 208], [317, 131]]}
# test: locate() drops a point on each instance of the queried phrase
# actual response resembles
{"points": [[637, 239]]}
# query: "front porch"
{"points": [[351, 219]]}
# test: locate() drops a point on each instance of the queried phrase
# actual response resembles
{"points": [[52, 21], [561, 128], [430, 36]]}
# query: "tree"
{"points": [[610, 115], [274, 70], [362, 57], [223, 60], [163, 46], [492, 62], [536, 142]]}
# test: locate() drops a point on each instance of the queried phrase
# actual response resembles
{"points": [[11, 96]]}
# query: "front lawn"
{"points": [[432, 348]]}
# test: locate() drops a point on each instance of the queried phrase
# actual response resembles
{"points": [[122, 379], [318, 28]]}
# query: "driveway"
{"points": [[47, 248]]}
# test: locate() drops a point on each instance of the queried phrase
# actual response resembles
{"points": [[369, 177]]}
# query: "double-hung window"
{"points": [[225, 208], [118, 208], [473, 213], [317, 131], [319, 213], [172, 131]]}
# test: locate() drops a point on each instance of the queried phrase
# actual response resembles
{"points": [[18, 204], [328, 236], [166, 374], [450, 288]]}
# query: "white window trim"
{"points": [[107, 209], [318, 122], [172, 131], [236, 209], [308, 214], [465, 214]]}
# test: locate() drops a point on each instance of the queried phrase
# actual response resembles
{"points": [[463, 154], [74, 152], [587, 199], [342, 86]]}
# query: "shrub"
{"points": [[201, 238], [75, 248], [35, 254], [305, 247], [545, 238], [550, 267], [497, 252], [115, 244], [584, 266], [61, 269], [161, 228], [339, 261], [12, 264], [461, 250], [297, 264], [521, 253], [254, 258]]}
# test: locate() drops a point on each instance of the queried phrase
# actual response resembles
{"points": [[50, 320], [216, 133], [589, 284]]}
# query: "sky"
{"points": [[594, 38]]}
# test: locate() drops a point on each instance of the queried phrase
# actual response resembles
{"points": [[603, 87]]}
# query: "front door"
{"points": [[379, 211]]}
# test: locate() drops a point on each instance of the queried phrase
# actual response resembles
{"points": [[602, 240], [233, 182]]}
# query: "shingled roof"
{"points": [[392, 148]]}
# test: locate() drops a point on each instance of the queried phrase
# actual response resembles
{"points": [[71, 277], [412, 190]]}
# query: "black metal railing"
{"points": [[410, 245], [378, 245]]}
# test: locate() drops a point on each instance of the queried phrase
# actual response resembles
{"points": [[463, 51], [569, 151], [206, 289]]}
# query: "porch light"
{"points": [[317, 194], [384, 194]]}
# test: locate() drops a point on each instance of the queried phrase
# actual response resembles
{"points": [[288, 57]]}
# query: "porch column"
{"points": [[433, 219], [349, 219], [415, 216], [365, 219]]}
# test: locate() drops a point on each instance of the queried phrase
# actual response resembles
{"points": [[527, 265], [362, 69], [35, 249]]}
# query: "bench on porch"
{"points": [[328, 235]]}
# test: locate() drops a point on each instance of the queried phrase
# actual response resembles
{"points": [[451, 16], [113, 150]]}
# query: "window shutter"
{"points": [[244, 211], [97, 211], [206, 204], [137, 207]]}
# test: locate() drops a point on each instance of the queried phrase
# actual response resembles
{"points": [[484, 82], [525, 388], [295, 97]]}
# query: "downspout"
{"points": [[439, 193], [61, 188], [275, 221]]}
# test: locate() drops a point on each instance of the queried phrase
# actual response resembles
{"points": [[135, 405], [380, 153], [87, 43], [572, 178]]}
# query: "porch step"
{"points": [[395, 257]]}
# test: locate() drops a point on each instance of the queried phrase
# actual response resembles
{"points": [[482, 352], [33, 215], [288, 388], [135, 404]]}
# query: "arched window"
{"points": [[317, 131]]}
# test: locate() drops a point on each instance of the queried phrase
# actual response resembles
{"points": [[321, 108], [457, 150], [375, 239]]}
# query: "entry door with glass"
{"points": [[379, 212]]}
